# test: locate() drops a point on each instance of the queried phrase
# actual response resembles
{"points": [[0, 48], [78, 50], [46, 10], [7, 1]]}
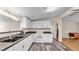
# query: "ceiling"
{"points": [[35, 13], [72, 16]]}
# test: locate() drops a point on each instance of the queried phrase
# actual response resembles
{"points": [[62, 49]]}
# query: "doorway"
{"points": [[57, 32]]}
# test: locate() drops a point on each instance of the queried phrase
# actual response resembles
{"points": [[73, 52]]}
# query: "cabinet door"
{"points": [[39, 38], [9, 49], [47, 38], [24, 45], [28, 43], [19, 46], [34, 37]]}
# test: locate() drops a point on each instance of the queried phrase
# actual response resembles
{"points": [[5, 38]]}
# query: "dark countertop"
{"points": [[6, 45], [47, 32]]}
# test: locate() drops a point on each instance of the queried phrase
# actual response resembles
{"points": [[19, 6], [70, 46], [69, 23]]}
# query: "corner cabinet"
{"points": [[19, 46], [23, 45]]}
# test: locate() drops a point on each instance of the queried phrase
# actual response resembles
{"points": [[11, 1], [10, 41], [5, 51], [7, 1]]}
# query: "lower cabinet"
{"points": [[34, 37], [44, 38], [48, 38], [39, 38], [23, 45], [19, 46], [9, 49], [26, 43]]}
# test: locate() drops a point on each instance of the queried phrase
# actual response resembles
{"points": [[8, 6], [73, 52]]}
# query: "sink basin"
{"points": [[9, 40], [13, 39]]}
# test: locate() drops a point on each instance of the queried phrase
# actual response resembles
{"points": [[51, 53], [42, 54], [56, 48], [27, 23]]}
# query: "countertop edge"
{"points": [[12, 44]]}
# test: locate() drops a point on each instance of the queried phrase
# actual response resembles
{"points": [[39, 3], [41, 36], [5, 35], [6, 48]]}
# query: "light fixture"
{"points": [[51, 9], [8, 14]]}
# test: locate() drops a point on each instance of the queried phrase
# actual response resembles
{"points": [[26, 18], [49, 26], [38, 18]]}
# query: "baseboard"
{"points": [[65, 38]]}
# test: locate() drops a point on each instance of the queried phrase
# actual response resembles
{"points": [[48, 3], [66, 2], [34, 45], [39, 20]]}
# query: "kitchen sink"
{"points": [[12, 39]]}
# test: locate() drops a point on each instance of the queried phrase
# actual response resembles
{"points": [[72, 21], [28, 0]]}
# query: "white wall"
{"points": [[69, 27], [57, 20], [25, 23], [29, 23], [54, 30], [7, 24]]}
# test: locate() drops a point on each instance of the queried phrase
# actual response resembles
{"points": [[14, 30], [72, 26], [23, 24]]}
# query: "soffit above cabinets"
{"points": [[36, 13]]}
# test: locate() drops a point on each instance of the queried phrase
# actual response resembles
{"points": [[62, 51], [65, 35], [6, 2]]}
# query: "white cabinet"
{"points": [[39, 38], [30, 40], [33, 37], [44, 38], [24, 45], [27, 43], [9, 49], [19, 46], [48, 38]]}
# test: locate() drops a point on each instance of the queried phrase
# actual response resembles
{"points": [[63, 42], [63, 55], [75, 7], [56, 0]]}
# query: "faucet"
{"points": [[10, 35]]}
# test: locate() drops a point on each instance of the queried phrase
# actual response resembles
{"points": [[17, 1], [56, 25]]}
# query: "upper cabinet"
{"points": [[41, 24], [25, 23]]}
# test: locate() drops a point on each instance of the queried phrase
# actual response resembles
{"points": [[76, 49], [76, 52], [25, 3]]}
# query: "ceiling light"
{"points": [[51, 9], [6, 13]]}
